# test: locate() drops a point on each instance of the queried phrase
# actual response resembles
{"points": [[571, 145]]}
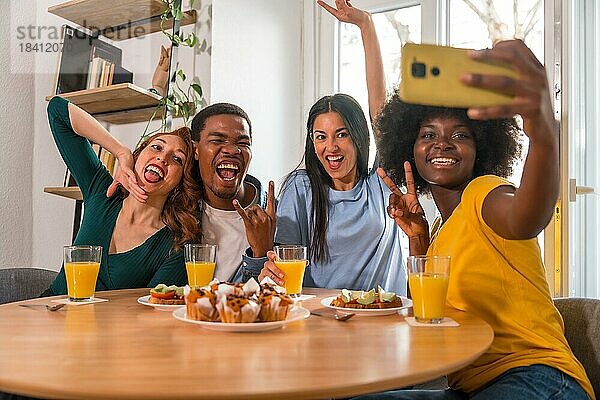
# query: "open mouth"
{"points": [[443, 161], [228, 171], [153, 173], [334, 161]]}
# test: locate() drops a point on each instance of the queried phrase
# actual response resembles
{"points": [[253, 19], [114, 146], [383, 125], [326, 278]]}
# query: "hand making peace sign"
{"points": [[406, 210]]}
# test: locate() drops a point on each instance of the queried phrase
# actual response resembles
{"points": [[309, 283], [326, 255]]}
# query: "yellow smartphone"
{"points": [[430, 75]]}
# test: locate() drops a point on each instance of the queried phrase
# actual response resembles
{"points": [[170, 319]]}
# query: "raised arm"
{"points": [[84, 125], [88, 127], [522, 213], [345, 12]]}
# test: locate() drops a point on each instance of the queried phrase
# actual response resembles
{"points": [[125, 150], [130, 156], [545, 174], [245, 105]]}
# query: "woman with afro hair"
{"points": [[487, 226]]}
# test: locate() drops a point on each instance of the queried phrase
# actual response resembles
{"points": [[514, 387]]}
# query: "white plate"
{"points": [[294, 314], [162, 307], [368, 312]]}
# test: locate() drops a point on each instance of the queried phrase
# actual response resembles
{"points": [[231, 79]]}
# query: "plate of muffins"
{"points": [[236, 307]]}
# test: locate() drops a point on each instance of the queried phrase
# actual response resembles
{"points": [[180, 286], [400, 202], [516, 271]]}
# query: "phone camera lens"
{"points": [[418, 70], [435, 71]]}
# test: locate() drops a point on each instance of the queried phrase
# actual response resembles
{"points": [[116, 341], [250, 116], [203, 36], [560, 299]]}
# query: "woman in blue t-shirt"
{"points": [[336, 205]]}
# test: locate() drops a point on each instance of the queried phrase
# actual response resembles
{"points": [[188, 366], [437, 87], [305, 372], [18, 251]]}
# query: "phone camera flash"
{"points": [[435, 71]]}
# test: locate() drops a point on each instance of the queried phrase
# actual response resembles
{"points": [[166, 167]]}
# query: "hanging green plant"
{"points": [[174, 12], [182, 99]]}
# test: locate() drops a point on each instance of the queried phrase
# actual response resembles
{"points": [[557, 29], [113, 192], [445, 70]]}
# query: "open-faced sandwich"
{"points": [[371, 299], [163, 294]]}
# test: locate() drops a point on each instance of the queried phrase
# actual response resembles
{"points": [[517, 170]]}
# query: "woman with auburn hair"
{"points": [[141, 235]]}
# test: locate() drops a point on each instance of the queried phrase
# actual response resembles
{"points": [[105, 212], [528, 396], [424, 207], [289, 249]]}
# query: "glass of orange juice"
{"points": [[200, 263], [292, 260], [82, 264], [428, 281]]}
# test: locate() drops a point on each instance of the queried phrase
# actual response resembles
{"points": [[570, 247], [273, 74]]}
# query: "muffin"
{"points": [[227, 288], [200, 305], [237, 309], [273, 306]]}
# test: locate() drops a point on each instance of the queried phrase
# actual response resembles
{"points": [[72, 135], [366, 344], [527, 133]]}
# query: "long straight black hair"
{"points": [[320, 181]]}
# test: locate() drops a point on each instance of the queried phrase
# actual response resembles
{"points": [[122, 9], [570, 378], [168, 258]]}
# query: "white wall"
{"points": [[16, 141], [256, 64], [52, 215]]}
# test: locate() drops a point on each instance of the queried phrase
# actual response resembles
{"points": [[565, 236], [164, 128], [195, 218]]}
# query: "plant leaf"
{"points": [[197, 88], [180, 97], [185, 110], [192, 40]]}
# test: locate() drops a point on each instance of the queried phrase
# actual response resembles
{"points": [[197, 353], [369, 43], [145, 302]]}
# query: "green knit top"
{"points": [[147, 265]]}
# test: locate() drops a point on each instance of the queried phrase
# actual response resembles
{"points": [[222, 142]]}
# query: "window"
{"points": [[582, 95], [477, 24], [394, 28]]}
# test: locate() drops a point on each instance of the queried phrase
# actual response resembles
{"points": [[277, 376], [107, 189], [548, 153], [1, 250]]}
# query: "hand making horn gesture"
{"points": [[406, 210], [259, 223]]}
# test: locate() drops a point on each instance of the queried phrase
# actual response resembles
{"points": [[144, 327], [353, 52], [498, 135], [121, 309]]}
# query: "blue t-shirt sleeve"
{"points": [[292, 226], [76, 151]]}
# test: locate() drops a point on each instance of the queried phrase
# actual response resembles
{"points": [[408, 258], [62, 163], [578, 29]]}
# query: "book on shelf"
{"points": [[99, 74], [87, 62], [108, 160], [121, 75]]}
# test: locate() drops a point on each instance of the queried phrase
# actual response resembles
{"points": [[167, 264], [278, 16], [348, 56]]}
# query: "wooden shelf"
{"points": [[116, 104], [118, 19], [71, 192]]}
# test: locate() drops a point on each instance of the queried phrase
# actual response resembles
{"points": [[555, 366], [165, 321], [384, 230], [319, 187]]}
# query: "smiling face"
{"points": [[445, 152], [159, 166], [335, 150], [223, 154]]}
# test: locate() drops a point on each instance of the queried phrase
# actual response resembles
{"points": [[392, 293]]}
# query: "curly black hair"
{"points": [[496, 141]]}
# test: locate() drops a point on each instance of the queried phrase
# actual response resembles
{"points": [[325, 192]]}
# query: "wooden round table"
{"points": [[123, 350]]}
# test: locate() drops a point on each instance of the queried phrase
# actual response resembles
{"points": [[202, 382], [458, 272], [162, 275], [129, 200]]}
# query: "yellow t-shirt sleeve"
{"points": [[476, 193]]}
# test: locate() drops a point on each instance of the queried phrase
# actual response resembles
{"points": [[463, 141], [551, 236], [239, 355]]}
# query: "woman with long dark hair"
{"points": [[336, 204], [141, 239]]}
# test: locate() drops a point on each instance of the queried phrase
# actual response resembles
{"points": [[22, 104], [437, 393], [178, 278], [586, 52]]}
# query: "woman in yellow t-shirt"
{"points": [[488, 226]]}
